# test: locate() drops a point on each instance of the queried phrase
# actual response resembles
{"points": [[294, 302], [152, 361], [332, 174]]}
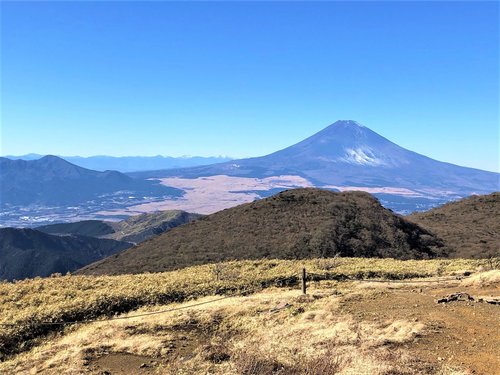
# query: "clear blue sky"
{"points": [[248, 78]]}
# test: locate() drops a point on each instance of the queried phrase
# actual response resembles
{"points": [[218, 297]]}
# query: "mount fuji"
{"points": [[349, 156]]}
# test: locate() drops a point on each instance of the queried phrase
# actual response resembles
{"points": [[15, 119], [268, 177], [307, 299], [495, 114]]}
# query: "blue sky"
{"points": [[248, 78]]}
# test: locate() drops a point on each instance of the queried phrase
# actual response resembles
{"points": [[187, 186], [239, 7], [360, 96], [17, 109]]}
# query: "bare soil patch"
{"points": [[178, 347], [123, 364], [459, 333]]}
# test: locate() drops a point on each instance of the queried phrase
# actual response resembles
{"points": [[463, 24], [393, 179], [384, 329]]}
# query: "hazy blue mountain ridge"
{"points": [[54, 181], [131, 163]]}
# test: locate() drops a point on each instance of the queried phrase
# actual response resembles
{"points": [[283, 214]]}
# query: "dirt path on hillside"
{"points": [[466, 334], [180, 347], [124, 364], [462, 334]]}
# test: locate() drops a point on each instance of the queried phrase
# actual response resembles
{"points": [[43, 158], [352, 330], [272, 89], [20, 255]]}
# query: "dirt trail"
{"points": [[466, 334], [180, 347], [461, 334], [124, 364]]}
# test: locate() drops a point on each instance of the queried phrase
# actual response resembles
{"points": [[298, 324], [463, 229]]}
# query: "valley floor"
{"points": [[339, 327]]}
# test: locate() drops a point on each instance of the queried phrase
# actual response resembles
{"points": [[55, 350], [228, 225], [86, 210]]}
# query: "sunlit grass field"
{"points": [[27, 306]]}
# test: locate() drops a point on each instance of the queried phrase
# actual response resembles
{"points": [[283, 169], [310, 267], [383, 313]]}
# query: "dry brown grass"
{"points": [[274, 329], [469, 227], [27, 304], [238, 335], [481, 279]]}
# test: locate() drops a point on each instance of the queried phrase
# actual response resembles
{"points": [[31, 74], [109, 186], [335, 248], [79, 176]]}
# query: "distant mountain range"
{"points": [[59, 248], [344, 156], [131, 163], [300, 223], [54, 181]]}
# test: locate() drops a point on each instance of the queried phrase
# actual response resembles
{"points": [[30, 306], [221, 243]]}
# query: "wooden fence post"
{"points": [[304, 287]]}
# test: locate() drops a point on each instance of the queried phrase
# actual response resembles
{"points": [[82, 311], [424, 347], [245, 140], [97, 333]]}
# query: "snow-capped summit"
{"points": [[346, 141], [347, 123]]}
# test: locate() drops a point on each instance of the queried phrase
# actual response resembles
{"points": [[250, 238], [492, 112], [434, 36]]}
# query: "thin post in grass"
{"points": [[304, 286]]}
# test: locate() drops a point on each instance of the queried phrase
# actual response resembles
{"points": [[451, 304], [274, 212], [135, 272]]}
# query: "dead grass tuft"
{"points": [[258, 363], [482, 279]]}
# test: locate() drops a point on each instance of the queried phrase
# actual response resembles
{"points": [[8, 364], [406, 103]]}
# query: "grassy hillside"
{"points": [[142, 227], [135, 229], [59, 248], [295, 224], [26, 306], [29, 253], [92, 228], [470, 227]]}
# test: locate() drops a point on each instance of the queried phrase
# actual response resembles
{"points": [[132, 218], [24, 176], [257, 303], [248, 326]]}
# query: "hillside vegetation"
{"points": [[470, 227], [139, 228], [66, 247], [29, 253], [295, 224], [135, 229], [92, 228]]}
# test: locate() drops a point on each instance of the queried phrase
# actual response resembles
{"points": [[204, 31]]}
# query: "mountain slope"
{"points": [[91, 228], [134, 229], [300, 223], [29, 253], [347, 154], [141, 163], [132, 163], [142, 227], [54, 181], [470, 227]]}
